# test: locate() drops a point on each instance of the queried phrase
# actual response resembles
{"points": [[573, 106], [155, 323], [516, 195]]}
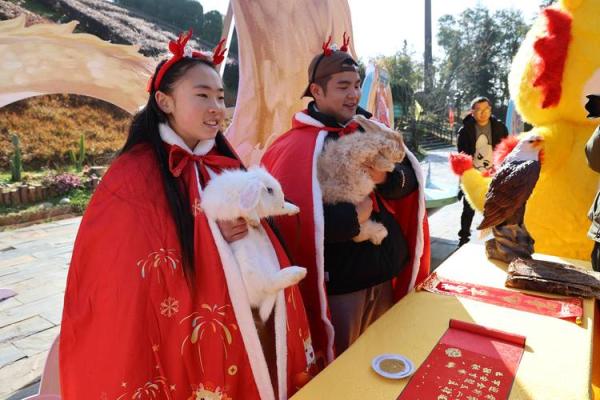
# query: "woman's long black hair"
{"points": [[144, 129]]}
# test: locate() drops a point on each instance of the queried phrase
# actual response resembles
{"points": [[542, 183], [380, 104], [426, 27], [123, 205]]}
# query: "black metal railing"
{"points": [[417, 133]]}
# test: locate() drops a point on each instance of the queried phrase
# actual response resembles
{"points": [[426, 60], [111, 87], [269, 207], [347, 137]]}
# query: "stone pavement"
{"points": [[34, 262], [444, 223]]}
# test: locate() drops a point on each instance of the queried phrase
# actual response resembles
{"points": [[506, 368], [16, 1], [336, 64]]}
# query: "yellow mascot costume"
{"points": [[557, 65]]}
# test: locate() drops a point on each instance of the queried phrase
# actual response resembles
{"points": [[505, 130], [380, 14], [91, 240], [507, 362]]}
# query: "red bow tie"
{"points": [[346, 130], [179, 159]]}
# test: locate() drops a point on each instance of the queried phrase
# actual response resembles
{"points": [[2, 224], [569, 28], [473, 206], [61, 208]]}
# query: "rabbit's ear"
{"points": [[250, 194]]}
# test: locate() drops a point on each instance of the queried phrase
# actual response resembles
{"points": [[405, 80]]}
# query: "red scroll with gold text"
{"points": [[469, 362], [568, 308]]}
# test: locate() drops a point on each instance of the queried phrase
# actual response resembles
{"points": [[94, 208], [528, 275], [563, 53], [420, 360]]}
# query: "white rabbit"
{"points": [[252, 195]]}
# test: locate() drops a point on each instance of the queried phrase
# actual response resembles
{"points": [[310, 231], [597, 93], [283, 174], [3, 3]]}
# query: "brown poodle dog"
{"points": [[342, 168]]}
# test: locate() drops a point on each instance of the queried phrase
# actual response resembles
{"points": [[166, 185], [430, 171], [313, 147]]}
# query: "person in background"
{"points": [[480, 134]]}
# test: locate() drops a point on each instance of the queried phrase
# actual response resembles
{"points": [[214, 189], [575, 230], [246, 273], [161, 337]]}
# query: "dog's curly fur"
{"points": [[341, 165]]}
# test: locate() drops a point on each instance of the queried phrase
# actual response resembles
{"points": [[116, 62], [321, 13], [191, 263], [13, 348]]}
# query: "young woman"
{"points": [[155, 307]]}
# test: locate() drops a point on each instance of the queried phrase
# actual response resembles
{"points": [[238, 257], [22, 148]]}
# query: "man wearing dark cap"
{"points": [[349, 284]]}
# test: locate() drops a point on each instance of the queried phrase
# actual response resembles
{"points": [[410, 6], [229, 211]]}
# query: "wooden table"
{"points": [[556, 363]]}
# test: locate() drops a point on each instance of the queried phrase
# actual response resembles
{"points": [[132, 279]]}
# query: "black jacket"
{"points": [[467, 134], [351, 266]]}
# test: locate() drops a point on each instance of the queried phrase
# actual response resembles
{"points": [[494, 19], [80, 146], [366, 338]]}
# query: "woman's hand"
{"points": [[233, 230], [364, 209]]}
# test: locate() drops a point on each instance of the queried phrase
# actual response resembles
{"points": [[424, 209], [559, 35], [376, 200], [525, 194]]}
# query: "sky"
{"points": [[381, 26]]}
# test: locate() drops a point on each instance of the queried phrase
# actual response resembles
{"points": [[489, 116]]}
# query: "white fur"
{"points": [[252, 195], [169, 136], [243, 315], [422, 214], [320, 240]]}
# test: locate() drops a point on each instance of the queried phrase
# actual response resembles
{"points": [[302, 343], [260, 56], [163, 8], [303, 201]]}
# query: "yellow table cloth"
{"points": [[556, 364]]}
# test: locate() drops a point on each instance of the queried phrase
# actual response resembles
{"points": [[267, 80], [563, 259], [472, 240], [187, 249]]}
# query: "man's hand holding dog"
{"points": [[364, 209]]}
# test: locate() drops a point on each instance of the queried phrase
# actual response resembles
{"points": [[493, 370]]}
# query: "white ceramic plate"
{"points": [[407, 370]]}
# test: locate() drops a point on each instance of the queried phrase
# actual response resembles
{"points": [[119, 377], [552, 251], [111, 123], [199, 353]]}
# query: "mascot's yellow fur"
{"points": [[557, 65]]}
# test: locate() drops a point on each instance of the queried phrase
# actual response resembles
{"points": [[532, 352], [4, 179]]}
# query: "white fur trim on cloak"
{"points": [[319, 219], [420, 243], [169, 136], [307, 119]]}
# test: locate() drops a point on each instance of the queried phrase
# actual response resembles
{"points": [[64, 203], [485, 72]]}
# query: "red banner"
{"points": [[569, 308], [469, 362]]}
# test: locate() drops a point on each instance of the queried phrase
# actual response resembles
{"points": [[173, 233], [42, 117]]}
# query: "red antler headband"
{"points": [[329, 48], [179, 49], [346, 42]]}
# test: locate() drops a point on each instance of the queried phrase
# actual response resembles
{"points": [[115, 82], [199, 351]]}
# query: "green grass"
{"points": [[14, 209], [80, 199], [4, 177], [27, 176]]}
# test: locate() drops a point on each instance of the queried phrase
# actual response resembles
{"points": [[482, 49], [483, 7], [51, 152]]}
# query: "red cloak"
{"points": [[292, 160], [133, 329]]}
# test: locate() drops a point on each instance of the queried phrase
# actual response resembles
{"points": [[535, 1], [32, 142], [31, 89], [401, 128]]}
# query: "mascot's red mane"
{"points": [[460, 162], [551, 51]]}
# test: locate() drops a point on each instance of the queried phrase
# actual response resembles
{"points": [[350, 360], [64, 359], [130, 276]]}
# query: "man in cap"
{"points": [[348, 285]]}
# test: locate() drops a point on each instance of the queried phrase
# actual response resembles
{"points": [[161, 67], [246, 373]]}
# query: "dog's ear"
{"points": [[250, 194], [366, 124]]}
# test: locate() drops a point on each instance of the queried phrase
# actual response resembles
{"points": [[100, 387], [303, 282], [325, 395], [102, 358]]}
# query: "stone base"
{"points": [[509, 242]]}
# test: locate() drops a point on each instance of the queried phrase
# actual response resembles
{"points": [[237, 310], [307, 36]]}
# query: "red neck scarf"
{"points": [[181, 160], [345, 130]]}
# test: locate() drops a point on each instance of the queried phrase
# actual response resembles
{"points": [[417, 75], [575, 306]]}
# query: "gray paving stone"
{"points": [[37, 343], [25, 392], [24, 329], [27, 271], [49, 308], [12, 261], [9, 354], [9, 303], [21, 373], [36, 289]]}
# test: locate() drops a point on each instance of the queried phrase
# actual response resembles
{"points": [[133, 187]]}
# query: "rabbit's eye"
{"points": [[270, 190]]}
